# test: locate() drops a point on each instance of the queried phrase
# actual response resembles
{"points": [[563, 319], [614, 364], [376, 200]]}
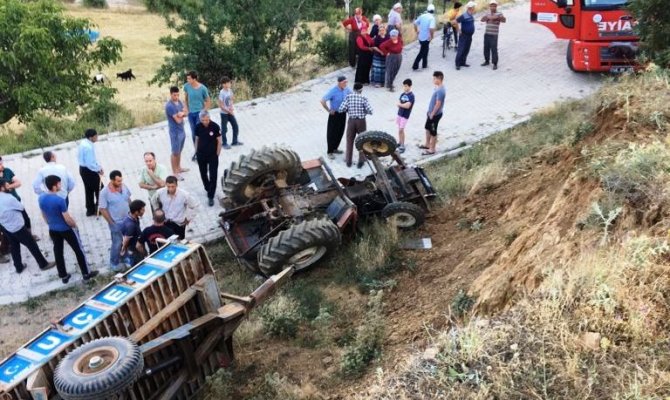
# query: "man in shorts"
{"points": [[174, 110], [434, 114], [405, 104]]}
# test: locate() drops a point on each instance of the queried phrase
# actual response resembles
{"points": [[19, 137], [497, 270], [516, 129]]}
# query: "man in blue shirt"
{"points": [[434, 114], [336, 120], [175, 111], [114, 206], [467, 21], [424, 26], [62, 228], [90, 171], [14, 228], [196, 98]]}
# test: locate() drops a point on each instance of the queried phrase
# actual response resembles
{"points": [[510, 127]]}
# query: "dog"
{"points": [[100, 79], [125, 76]]}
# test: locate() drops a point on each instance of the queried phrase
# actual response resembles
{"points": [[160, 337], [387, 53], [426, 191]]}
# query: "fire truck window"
{"points": [[606, 3]]}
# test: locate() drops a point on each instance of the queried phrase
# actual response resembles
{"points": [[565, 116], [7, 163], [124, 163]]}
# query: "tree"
{"points": [[653, 25], [46, 59], [241, 38]]}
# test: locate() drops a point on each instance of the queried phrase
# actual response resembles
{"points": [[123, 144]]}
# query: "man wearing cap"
{"points": [[208, 143], [467, 21], [358, 107], [353, 25], [424, 26], [493, 20], [336, 120], [395, 18], [90, 171], [59, 170]]}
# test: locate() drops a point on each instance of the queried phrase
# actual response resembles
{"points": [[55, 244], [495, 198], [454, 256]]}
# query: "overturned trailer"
{"points": [[155, 332]]}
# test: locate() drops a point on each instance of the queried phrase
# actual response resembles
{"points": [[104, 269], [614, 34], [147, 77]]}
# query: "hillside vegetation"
{"points": [[569, 273]]}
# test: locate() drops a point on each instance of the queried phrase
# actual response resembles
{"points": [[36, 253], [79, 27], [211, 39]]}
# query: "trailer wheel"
{"points": [[569, 58], [404, 215], [301, 245], [257, 171], [376, 143], [99, 369]]}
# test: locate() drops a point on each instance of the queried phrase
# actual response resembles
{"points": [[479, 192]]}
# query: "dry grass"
{"points": [[139, 32], [593, 330]]}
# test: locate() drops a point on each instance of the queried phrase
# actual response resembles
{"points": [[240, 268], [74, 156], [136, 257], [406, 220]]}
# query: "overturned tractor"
{"points": [[281, 212]]}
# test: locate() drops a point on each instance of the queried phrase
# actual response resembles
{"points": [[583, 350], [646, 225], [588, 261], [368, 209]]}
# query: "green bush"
{"points": [[280, 317], [369, 337], [332, 49], [95, 3], [653, 26]]}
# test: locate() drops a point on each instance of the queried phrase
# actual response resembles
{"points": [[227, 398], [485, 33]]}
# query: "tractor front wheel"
{"points": [[404, 215], [376, 143]]}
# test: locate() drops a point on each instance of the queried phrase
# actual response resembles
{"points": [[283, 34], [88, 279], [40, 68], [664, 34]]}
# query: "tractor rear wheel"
{"points": [[258, 170], [99, 369], [404, 215], [300, 246], [376, 143]]}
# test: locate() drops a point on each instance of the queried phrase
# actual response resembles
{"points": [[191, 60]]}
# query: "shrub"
{"points": [[369, 336], [332, 49], [219, 385], [280, 317], [461, 304], [653, 26], [95, 3]]}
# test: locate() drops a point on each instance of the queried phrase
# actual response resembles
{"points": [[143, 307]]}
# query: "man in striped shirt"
{"points": [[493, 20], [358, 107]]}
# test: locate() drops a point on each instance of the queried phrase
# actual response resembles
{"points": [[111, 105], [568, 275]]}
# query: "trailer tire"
{"points": [[568, 57], [121, 364], [376, 143], [301, 245], [243, 180], [403, 215]]}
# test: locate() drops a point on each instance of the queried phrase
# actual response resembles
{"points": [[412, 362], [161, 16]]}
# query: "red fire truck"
{"points": [[600, 32]]}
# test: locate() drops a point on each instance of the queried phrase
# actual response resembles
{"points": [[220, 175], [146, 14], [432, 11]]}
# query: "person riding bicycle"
{"points": [[450, 21]]}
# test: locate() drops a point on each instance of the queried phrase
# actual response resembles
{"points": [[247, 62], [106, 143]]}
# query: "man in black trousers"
{"points": [[208, 144], [336, 120], [90, 171]]}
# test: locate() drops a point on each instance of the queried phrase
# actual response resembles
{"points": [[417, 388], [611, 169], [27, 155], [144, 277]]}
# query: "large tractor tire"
{"points": [[404, 215], [257, 171], [300, 246], [100, 369], [376, 143]]}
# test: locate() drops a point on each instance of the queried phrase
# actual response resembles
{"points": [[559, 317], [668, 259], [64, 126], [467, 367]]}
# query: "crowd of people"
{"points": [[375, 51], [172, 207]]}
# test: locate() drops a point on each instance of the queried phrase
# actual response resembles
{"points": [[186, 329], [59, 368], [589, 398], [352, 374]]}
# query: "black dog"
{"points": [[128, 75]]}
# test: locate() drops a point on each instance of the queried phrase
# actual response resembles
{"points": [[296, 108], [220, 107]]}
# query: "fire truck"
{"points": [[600, 32]]}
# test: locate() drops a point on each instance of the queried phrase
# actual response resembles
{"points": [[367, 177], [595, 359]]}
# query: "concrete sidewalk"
{"points": [[532, 75]]}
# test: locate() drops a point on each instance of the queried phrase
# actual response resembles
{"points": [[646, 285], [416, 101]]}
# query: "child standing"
{"points": [[405, 104], [228, 112]]}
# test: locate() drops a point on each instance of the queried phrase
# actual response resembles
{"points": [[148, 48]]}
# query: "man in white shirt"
{"points": [[395, 19], [59, 170], [177, 204]]}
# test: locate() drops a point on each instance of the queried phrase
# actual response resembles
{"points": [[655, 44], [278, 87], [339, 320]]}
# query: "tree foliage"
{"points": [[46, 59], [246, 39], [653, 26]]}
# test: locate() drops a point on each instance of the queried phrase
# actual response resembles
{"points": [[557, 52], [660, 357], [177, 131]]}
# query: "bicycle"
{"points": [[447, 38]]}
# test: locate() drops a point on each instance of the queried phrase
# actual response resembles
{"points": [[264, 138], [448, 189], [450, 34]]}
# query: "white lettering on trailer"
{"points": [[49, 342], [115, 295], [82, 318]]}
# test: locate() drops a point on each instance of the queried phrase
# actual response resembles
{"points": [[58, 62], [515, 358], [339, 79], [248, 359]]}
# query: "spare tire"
{"points": [[404, 215], [99, 369], [300, 246], [254, 172], [376, 143]]}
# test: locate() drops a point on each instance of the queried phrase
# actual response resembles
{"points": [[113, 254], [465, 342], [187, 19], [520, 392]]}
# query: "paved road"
{"points": [[480, 101]]}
